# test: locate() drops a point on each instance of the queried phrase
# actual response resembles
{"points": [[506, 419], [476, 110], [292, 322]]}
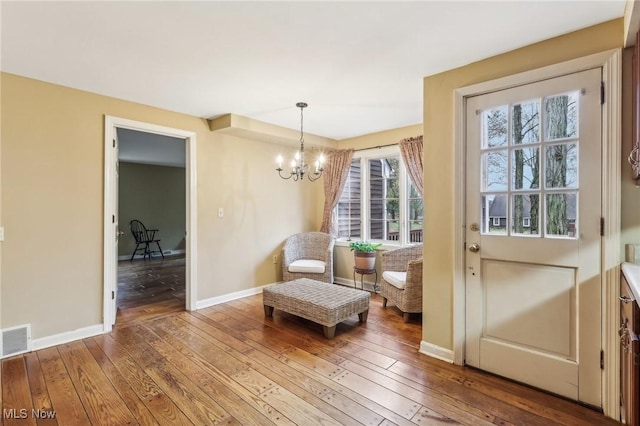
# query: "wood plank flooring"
{"points": [[148, 288], [228, 364]]}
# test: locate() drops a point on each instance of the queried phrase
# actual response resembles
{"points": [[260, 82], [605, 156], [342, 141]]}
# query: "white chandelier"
{"points": [[298, 167]]}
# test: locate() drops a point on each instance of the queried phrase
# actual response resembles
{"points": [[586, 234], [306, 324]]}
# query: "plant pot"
{"points": [[365, 260]]}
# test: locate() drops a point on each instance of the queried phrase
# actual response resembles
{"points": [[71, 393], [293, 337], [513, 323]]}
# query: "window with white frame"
{"points": [[379, 202]]}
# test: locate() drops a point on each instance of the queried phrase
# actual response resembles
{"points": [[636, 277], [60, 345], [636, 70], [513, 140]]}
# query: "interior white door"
{"points": [[116, 226], [533, 217]]}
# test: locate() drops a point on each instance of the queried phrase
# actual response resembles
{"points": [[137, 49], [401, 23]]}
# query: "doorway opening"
{"points": [[158, 188], [151, 211]]}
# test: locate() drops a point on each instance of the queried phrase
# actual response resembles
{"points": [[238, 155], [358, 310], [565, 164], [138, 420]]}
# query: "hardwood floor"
{"points": [[148, 288], [228, 364]]}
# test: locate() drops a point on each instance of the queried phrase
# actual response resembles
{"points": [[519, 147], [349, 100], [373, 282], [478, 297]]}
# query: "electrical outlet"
{"points": [[275, 258]]}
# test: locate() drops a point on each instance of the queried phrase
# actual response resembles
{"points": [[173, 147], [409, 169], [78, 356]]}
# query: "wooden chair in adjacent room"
{"points": [[144, 239]]}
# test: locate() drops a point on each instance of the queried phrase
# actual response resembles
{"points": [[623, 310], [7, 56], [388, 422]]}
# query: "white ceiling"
{"points": [[359, 65], [150, 148]]}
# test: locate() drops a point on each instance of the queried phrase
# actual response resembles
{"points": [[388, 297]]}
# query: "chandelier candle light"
{"points": [[298, 167]]}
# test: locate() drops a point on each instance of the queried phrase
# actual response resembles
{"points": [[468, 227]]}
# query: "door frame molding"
{"points": [[110, 258], [611, 63]]}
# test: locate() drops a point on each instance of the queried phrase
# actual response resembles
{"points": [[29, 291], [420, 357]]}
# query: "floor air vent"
{"points": [[15, 340]]}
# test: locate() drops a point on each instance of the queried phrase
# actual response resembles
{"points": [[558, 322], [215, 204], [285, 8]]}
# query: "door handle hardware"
{"points": [[120, 233], [625, 299], [474, 248]]}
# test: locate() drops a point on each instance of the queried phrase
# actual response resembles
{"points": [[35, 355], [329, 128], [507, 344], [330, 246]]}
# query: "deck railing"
{"points": [[415, 236]]}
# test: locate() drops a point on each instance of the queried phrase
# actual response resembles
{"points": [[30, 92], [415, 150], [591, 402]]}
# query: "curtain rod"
{"points": [[374, 147]]}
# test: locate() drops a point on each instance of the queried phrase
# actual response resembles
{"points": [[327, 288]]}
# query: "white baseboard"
{"points": [[140, 256], [95, 330], [437, 352], [200, 304], [67, 336], [368, 285]]}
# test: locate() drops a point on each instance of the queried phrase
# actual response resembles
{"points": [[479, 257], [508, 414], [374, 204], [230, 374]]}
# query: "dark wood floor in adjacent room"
{"points": [[229, 364], [148, 288]]}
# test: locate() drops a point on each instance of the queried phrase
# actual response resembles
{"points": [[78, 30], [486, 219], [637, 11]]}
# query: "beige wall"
{"points": [[439, 156], [52, 208], [156, 196], [343, 257]]}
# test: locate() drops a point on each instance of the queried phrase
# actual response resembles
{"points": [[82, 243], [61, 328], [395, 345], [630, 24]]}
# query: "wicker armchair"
{"points": [[402, 279], [308, 255]]}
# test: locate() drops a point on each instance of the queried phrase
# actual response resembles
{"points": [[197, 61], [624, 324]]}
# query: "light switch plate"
{"points": [[1, 233], [220, 212]]}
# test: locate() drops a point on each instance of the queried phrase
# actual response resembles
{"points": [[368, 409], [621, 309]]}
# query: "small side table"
{"points": [[362, 273]]}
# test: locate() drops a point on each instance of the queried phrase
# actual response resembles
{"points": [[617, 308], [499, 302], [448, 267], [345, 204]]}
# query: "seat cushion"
{"points": [[396, 279], [309, 266]]}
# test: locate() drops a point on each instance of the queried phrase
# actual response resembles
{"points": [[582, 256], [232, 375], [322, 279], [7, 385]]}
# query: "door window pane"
{"points": [[561, 116], [561, 164], [494, 171], [525, 214], [526, 122], [494, 123], [561, 214], [494, 214], [525, 168], [538, 164]]}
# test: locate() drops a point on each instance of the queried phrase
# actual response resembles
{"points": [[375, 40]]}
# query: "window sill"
{"points": [[384, 247]]}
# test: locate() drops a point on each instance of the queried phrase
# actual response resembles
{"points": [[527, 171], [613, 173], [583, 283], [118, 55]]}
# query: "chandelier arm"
{"points": [[317, 174], [285, 178]]}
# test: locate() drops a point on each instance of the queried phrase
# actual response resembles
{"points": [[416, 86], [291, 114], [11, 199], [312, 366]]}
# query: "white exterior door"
{"points": [[533, 214]]}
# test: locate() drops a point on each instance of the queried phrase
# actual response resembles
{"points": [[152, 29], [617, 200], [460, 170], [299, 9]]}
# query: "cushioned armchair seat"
{"points": [[401, 282], [308, 255]]}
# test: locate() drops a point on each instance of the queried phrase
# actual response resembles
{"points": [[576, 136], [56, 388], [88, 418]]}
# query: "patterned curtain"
{"points": [[334, 177], [411, 151]]}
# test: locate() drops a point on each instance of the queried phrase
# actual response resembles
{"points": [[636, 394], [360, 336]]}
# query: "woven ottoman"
{"points": [[322, 303]]}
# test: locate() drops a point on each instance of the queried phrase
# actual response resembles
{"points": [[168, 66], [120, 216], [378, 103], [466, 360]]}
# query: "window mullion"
{"points": [[364, 198], [403, 200]]}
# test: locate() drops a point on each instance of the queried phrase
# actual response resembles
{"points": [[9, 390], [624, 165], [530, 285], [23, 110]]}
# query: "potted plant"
{"points": [[364, 254]]}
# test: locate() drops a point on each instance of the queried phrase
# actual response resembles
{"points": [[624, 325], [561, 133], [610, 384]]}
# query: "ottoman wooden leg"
{"points": [[329, 332], [268, 311], [362, 316]]}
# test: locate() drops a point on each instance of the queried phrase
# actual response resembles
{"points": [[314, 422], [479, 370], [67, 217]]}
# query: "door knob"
{"points": [[474, 248]]}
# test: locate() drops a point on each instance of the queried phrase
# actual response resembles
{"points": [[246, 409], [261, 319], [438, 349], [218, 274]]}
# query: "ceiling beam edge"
{"points": [[247, 128]]}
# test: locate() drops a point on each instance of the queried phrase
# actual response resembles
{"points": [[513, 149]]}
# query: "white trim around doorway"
{"points": [[611, 64], [110, 281]]}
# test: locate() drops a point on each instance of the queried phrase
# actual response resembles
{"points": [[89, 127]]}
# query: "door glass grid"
{"points": [[515, 159]]}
